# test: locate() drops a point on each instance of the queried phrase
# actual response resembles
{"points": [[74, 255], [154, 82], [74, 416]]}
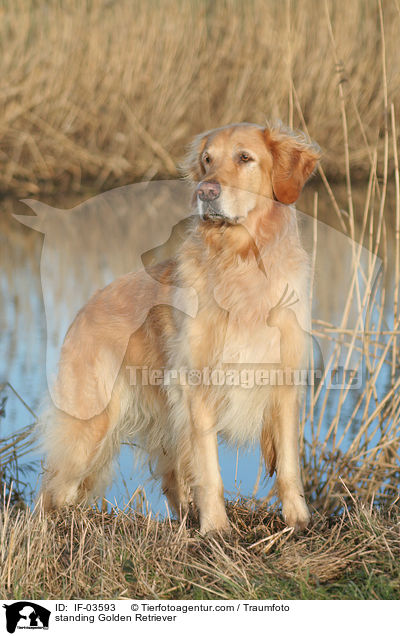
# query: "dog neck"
{"points": [[246, 257], [263, 229]]}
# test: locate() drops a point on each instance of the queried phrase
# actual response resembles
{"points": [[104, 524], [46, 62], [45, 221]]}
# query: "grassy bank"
{"points": [[124, 554], [110, 92]]}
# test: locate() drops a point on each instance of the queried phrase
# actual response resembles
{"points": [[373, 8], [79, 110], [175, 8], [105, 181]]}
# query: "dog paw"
{"points": [[296, 513], [215, 524]]}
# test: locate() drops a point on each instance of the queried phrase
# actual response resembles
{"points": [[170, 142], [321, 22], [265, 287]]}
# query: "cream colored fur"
{"points": [[240, 265]]}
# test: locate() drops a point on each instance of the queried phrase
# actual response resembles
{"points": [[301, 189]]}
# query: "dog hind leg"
{"points": [[176, 490], [79, 459]]}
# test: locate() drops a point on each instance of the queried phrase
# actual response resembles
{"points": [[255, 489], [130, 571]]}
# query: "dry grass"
{"points": [[14, 473], [113, 91], [124, 554]]}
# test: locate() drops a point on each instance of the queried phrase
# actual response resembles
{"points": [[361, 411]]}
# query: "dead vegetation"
{"points": [[124, 554], [113, 91]]}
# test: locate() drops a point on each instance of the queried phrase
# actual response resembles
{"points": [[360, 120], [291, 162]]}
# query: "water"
{"points": [[46, 275]]}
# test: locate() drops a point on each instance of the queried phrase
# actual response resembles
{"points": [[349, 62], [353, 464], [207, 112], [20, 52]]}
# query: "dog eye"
{"points": [[244, 157], [206, 157]]}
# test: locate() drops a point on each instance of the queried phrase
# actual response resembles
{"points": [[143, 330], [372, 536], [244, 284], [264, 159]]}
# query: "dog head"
{"points": [[237, 167]]}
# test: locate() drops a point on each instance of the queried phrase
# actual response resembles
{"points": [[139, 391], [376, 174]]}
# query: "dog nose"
{"points": [[208, 190]]}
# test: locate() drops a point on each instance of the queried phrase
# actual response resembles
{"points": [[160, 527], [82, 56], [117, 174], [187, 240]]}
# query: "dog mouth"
{"points": [[215, 215], [209, 212]]}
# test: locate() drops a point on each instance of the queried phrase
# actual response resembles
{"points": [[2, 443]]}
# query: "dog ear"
{"points": [[191, 167], [294, 160]]}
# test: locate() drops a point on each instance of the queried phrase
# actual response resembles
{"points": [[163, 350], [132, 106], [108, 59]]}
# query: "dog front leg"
{"points": [[290, 487], [208, 487]]}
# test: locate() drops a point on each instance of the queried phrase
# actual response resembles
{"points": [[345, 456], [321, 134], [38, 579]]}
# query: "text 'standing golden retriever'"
{"points": [[242, 256]]}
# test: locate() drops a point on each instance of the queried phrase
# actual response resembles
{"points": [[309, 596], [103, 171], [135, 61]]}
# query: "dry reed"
{"points": [[113, 91]]}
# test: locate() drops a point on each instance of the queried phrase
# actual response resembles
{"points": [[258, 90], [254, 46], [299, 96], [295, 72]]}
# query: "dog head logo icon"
{"points": [[26, 615]]}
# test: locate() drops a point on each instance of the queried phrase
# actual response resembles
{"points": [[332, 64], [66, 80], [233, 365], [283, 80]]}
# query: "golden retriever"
{"points": [[243, 257]]}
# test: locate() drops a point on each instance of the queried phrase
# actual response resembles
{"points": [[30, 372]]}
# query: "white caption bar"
{"points": [[172, 617]]}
